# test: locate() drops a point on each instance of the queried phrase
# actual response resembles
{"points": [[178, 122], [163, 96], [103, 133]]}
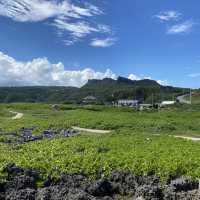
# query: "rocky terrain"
{"points": [[21, 184], [26, 135]]}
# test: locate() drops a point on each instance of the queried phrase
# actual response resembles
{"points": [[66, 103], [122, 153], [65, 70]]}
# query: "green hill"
{"points": [[106, 90], [123, 88], [35, 94]]}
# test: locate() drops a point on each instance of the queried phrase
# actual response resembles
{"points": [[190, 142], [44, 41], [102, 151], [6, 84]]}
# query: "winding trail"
{"points": [[182, 99], [196, 139], [20, 115], [90, 130], [17, 116]]}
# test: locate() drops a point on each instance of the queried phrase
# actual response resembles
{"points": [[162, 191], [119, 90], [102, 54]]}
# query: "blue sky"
{"points": [[64, 42]]}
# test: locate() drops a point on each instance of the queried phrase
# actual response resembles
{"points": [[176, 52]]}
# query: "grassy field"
{"points": [[142, 142]]}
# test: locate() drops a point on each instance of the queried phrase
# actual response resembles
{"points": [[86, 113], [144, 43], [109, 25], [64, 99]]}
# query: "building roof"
{"points": [[168, 102], [127, 101], [90, 98]]}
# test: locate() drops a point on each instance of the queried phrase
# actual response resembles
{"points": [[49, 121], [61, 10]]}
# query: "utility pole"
{"points": [[134, 95], [190, 96], [152, 99]]}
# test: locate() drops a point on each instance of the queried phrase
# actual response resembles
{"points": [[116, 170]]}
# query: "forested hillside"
{"points": [[106, 90]]}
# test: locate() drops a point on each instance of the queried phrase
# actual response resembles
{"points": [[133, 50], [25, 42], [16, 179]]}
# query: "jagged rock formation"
{"points": [[21, 184]]}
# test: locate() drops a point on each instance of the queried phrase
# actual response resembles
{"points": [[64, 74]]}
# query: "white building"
{"points": [[89, 99], [167, 103], [129, 103]]}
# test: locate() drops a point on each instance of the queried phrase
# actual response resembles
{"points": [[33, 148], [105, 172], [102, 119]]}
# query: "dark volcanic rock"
{"points": [[101, 188], [2, 191], [21, 185], [76, 194], [171, 194], [26, 135], [123, 183], [74, 181], [62, 193], [2, 187], [149, 192], [148, 180], [149, 188], [21, 182], [184, 184], [12, 169], [52, 192], [25, 194]]}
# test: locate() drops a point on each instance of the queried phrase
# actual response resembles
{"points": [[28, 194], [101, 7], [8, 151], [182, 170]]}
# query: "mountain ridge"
{"points": [[121, 79], [105, 90]]}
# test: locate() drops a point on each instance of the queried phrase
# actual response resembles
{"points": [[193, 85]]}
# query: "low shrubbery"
{"points": [[131, 145]]}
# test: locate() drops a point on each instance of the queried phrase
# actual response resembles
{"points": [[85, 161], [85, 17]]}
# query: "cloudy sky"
{"points": [[67, 42]]}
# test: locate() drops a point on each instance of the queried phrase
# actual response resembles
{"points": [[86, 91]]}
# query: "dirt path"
{"points": [[196, 139], [188, 138], [17, 116], [182, 99], [90, 130]]}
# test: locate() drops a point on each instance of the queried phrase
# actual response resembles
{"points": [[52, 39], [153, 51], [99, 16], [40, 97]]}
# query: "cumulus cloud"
{"points": [[168, 15], [62, 14], [184, 27], [134, 77], [41, 72], [163, 82], [107, 42]]}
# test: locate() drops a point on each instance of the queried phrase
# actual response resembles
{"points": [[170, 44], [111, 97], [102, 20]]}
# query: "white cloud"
{"points": [[184, 27], [134, 77], [147, 77], [41, 72], [163, 82], [104, 28], [194, 75], [79, 29], [69, 42], [168, 15], [39, 10], [63, 14], [107, 42]]}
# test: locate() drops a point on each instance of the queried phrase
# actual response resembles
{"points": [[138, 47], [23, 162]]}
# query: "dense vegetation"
{"points": [[140, 153], [35, 94], [180, 119], [142, 142], [105, 91]]}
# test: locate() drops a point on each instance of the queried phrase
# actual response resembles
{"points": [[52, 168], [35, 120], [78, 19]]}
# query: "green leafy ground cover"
{"points": [[131, 145]]}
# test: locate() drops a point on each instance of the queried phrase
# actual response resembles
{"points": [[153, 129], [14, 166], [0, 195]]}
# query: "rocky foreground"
{"points": [[26, 135], [21, 184]]}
